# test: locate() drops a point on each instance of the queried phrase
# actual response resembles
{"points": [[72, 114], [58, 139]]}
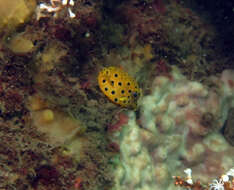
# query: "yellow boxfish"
{"points": [[119, 86]]}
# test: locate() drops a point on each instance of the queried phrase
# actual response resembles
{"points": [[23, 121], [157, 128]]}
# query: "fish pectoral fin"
{"points": [[123, 99]]}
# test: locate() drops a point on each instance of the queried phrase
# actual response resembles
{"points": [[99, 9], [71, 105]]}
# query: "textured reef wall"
{"points": [[178, 128]]}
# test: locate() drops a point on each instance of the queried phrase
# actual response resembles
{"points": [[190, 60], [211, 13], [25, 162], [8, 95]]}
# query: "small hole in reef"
{"points": [[116, 75], [119, 83], [106, 89], [122, 91], [113, 92], [124, 101], [129, 91], [116, 99]]}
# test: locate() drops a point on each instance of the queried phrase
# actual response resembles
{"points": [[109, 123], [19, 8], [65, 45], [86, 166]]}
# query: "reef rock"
{"points": [[228, 130], [15, 12]]}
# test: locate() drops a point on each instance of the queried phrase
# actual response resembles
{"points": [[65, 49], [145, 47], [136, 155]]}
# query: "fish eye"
{"points": [[135, 94]]}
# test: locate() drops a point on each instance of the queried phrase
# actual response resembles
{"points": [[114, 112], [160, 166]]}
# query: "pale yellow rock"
{"points": [[19, 44], [58, 126], [47, 115], [15, 12]]}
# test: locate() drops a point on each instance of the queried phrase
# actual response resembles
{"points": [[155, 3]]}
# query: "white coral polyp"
{"points": [[217, 185]]}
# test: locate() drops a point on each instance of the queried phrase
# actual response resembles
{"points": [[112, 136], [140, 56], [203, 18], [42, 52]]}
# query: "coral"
{"points": [[70, 116], [217, 185], [43, 9], [179, 126], [225, 182], [26, 159], [183, 183], [135, 160]]}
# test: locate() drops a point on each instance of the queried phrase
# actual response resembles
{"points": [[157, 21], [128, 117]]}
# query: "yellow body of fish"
{"points": [[119, 87]]}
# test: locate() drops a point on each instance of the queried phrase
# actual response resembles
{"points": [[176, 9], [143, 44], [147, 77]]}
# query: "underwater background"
{"points": [[116, 95]]}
